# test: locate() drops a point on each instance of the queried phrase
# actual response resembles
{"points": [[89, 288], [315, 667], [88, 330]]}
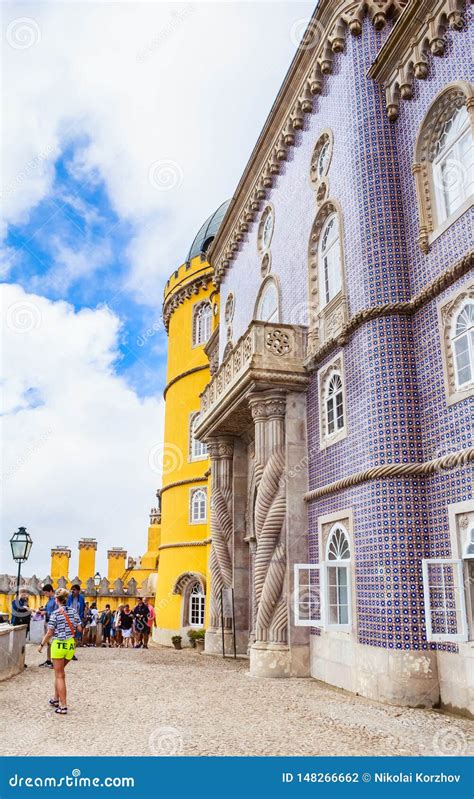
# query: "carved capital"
{"points": [[221, 448]]}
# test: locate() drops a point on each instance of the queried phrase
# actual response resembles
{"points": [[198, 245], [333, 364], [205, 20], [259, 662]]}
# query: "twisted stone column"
{"points": [[268, 412], [220, 563]]}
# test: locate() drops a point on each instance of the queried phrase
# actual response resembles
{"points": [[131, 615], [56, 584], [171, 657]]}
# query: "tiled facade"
{"points": [[396, 404]]}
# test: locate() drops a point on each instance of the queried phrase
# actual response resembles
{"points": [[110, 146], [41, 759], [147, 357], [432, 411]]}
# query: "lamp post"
{"points": [[21, 543], [97, 579]]}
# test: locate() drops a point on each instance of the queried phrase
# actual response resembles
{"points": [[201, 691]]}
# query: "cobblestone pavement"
{"points": [[159, 702]]}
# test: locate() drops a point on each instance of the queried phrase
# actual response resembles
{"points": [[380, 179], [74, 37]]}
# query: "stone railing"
{"points": [[267, 354]]}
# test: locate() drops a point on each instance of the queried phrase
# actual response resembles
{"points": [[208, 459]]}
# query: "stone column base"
{"points": [[213, 642], [267, 660]]}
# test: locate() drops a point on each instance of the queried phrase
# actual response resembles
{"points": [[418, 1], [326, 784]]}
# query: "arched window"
{"points": [[453, 163], [197, 602], [338, 588], [202, 320], [463, 345], [197, 449], [329, 257], [198, 506], [268, 303], [444, 161], [334, 404]]}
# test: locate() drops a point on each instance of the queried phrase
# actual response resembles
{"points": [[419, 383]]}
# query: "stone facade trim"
{"points": [[190, 480], [179, 544], [391, 470], [430, 292], [177, 297], [423, 25]]}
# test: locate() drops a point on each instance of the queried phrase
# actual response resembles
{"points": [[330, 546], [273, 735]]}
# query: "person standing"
{"points": [[117, 628], [63, 625], [106, 620], [126, 624], [140, 614], [49, 609], [150, 622], [94, 619], [21, 613], [77, 601]]}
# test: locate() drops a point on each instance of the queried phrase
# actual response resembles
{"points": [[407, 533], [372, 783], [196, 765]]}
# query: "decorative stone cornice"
{"points": [[392, 470], [325, 36], [87, 543], [428, 293], [419, 34], [182, 375], [176, 298], [64, 551], [155, 516], [116, 553]]}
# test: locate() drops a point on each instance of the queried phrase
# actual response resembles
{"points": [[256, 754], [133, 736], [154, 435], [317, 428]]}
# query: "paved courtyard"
{"points": [[162, 702]]}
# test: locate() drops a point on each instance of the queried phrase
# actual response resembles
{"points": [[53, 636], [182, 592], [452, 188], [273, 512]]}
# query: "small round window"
{"points": [[265, 229], [321, 159]]}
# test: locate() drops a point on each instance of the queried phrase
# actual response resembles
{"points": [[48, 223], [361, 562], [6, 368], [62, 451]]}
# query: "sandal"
{"points": [[61, 710], [54, 702]]}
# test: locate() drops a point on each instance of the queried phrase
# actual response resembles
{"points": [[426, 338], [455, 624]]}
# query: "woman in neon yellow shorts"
{"points": [[63, 624]]}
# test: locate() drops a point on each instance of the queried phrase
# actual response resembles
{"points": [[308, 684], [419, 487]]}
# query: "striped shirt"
{"points": [[59, 625]]}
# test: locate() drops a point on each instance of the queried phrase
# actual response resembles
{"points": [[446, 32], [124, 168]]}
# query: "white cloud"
{"points": [[189, 83], [76, 458]]}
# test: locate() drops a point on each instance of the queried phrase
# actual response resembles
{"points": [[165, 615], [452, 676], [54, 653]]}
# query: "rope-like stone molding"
{"points": [[178, 544], [189, 481], [390, 470], [407, 308], [183, 374]]}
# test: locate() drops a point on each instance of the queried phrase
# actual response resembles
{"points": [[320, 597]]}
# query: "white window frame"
{"points": [[194, 443], [201, 334], [268, 285], [201, 610], [470, 347], [450, 153], [193, 493], [458, 565], [324, 271], [297, 569], [337, 563]]}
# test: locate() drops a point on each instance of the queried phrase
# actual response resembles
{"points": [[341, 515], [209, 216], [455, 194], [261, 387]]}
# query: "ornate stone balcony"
{"points": [[266, 356]]}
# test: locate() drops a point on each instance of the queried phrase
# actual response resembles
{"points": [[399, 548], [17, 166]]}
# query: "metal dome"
{"points": [[207, 231]]}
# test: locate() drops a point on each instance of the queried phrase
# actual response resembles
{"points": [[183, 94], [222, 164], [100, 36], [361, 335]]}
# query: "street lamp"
{"points": [[97, 579], [20, 543]]}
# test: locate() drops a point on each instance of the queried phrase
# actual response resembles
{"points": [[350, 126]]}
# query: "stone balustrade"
{"points": [[268, 355]]}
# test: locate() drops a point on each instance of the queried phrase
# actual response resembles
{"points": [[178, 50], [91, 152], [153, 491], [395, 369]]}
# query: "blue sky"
{"points": [[73, 247]]}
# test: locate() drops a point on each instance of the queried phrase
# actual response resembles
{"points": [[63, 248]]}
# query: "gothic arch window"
{"points": [[198, 506], [463, 345], [337, 578], [327, 306], [197, 449], [192, 588], [202, 322], [444, 161], [456, 316], [267, 307], [332, 402]]}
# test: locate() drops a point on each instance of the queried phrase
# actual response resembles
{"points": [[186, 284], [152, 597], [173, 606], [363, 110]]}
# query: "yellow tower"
{"points": [[190, 313], [87, 550], [116, 558], [60, 557]]}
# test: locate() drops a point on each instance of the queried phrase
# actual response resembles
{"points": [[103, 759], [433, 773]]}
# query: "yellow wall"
{"points": [[182, 399], [115, 567], [59, 565]]}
